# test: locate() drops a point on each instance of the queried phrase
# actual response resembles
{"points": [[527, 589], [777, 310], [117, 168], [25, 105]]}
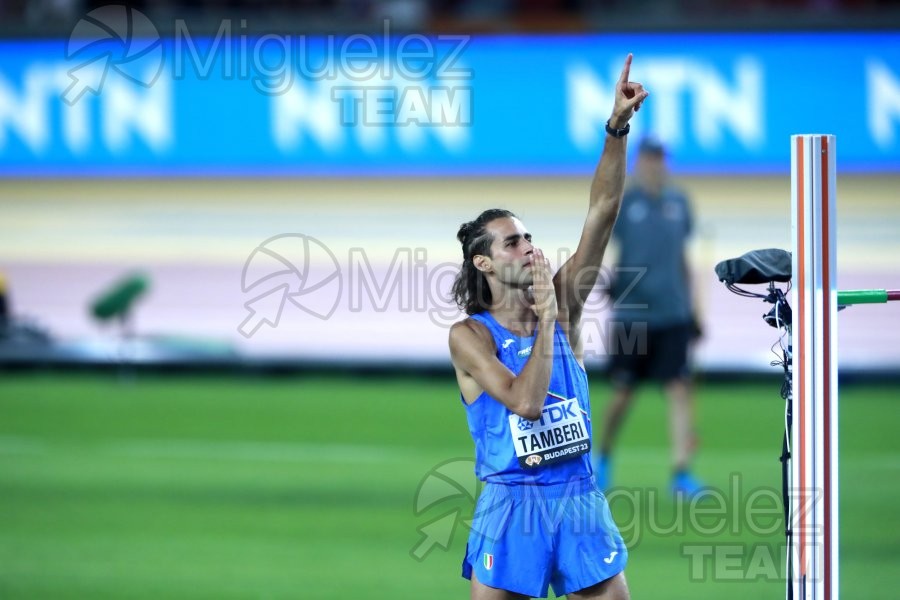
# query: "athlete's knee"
{"points": [[614, 588]]}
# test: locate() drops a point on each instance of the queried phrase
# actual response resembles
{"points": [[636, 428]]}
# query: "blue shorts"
{"points": [[525, 538]]}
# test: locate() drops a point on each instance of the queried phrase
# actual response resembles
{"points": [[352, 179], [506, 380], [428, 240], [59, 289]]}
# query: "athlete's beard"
{"points": [[518, 282], [513, 301], [521, 279]]}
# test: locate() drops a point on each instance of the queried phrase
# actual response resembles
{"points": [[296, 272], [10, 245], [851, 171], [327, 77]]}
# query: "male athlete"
{"points": [[540, 520]]}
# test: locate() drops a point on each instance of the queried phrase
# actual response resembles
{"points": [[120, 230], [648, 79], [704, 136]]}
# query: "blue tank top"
{"points": [[554, 449]]}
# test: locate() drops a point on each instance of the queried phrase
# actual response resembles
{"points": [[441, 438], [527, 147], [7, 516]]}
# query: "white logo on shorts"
{"points": [[610, 558]]}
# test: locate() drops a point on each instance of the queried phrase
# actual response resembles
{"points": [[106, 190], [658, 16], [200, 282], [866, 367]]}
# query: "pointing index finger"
{"points": [[623, 78]]}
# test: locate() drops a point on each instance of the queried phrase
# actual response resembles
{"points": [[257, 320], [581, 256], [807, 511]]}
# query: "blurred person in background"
{"points": [[652, 303]]}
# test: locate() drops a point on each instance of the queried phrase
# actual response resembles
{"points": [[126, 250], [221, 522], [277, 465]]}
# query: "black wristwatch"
{"points": [[618, 133]]}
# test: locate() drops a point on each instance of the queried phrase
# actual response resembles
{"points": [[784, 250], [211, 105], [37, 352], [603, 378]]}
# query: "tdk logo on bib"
{"points": [[551, 414], [557, 412]]}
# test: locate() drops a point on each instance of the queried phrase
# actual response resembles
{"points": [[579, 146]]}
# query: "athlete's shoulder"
{"points": [[471, 343], [469, 330]]}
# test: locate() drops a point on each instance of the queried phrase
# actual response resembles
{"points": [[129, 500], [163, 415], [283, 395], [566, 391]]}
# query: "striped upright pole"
{"points": [[814, 435]]}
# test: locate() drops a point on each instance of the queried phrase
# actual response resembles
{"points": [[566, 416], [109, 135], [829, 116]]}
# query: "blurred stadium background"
{"points": [[266, 419]]}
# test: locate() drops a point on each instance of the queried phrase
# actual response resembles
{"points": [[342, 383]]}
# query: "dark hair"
{"points": [[470, 289]]}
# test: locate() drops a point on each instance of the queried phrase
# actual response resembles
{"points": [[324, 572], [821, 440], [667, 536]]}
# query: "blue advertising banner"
{"points": [[386, 104]]}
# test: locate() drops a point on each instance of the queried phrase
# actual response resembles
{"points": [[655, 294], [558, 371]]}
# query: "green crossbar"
{"points": [[847, 297]]}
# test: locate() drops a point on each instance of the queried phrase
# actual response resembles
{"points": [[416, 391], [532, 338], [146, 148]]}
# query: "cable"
{"points": [[742, 292]]}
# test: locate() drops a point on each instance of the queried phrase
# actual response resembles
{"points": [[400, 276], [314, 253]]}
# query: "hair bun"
{"points": [[464, 231]]}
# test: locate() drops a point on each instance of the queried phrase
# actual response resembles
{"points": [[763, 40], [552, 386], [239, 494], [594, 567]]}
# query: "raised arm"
{"points": [[576, 278]]}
